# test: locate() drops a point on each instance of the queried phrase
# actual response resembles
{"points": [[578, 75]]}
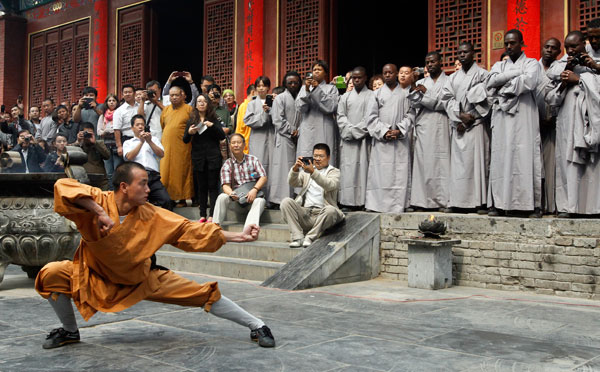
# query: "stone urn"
{"points": [[31, 233], [432, 228]]}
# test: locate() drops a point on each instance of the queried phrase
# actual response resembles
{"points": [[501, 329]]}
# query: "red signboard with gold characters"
{"points": [[524, 15]]}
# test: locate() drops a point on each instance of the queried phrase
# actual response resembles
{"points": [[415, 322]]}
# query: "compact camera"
{"points": [[87, 135], [150, 94]]}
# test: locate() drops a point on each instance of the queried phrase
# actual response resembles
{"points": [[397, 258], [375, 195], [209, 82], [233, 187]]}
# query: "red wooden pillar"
{"points": [[253, 40], [99, 71], [12, 58]]}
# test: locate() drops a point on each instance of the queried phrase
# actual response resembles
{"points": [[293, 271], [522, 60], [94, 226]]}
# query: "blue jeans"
{"points": [[110, 165]]}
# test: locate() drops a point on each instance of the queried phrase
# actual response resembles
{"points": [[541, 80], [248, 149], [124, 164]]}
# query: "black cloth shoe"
{"points": [[263, 336], [60, 337]]}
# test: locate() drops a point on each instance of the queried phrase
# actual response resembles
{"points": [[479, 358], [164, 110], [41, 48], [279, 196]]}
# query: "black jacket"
{"points": [[35, 157], [205, 147], [10, 128]]}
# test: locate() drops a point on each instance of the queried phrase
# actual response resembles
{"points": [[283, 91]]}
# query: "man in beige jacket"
{"points": [[315, 208]]}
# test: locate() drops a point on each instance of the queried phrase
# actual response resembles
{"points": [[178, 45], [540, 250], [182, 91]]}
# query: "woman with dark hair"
{"points": [[258, 117], [376, 82], [107, 133], [54, 162], [205, 131]]}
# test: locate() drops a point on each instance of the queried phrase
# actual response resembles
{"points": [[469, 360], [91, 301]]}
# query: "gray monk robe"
{"points": [[389, 167], [285, 120], [318, 123], [548, 136], [469, 151], [515, 181], [431, 158], [260, 143], [577, 139], [354, 146]]}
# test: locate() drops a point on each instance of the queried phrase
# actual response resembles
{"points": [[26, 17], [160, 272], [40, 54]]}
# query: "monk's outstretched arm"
{"points": [[249, 234], [104, 222]]}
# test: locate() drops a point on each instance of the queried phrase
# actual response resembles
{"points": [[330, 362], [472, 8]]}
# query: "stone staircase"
{"points": [[257, 260]]}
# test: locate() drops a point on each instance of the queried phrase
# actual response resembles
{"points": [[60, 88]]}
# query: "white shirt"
{"points": [[146, 156], [122, 118], [154, 121], [25, 152], [314, 193]]}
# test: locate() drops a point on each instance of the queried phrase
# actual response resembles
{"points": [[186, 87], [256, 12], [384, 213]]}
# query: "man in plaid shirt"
{"points": [[238, 170]]}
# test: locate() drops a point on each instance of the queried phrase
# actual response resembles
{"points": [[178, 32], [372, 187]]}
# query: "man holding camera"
{"points": [[96, 151], [315, 208], [32, 155], [16, 123], [242, 177], [87, 108], [146, 150], [515, 181], [152, 108], [575, 90]]}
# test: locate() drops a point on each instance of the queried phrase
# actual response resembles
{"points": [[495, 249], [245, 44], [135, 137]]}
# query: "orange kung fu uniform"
{"points": [[112, 272]]}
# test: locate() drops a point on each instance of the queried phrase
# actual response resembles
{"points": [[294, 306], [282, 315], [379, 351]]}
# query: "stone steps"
{"points": [[257, 260], [232, 267], [259, 250]]}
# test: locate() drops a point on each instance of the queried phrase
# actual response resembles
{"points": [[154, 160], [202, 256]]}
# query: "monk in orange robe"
{"points": [[176, 165], [114, 266], [240, 126]]}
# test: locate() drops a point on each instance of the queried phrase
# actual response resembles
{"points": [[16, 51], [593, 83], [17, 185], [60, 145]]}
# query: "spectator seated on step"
{"points": [[243, 178], [315, 208]]}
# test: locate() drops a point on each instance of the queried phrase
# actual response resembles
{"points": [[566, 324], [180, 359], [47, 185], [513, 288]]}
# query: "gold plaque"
{"points": [[498, 39]]}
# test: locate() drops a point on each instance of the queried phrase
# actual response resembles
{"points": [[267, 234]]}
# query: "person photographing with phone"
{"points": [[96, 151], [317, 103], [204, 131], [258, 117], [315, 208]]}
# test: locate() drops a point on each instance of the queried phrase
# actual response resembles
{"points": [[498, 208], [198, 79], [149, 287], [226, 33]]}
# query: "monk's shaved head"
{"points": [[391, 66]]}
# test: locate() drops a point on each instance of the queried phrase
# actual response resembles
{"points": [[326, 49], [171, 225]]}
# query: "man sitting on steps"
{"points": [[242, 177], [315, 208]]}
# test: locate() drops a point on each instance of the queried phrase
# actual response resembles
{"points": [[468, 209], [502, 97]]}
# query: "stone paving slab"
{"points": [[377, 325]]}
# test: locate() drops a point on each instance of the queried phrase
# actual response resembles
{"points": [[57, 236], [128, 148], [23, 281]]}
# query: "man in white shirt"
{"points": [[122, 117], [152, 108], [146, 150], [315, 208]]}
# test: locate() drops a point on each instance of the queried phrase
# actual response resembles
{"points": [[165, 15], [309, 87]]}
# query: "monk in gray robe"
{"points": [[550, 51], [515, 182], [285, 121], [317, 102], [467, 106], [576, 93], [388, 181], [431, 163], [354, 141], [258, 117]]}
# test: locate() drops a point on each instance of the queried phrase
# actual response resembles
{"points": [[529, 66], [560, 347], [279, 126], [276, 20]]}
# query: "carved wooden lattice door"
{"points": [[583, 11], [303, 34], [133, 46], [454, 21], [218, 41], [59, 63]]}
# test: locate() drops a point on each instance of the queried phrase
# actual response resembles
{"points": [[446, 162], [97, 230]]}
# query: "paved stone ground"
{"points": [[378, 325]]}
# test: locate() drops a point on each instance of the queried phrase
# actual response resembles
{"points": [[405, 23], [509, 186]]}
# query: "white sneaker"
{"points": [[296, 243], [306, 243]]}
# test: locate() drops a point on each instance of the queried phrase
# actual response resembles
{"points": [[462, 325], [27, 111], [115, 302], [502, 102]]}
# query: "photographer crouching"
{"points": [[96, 151]]}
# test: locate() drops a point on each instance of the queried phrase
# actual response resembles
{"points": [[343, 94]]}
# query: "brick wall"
{"points": [[547, 256]]}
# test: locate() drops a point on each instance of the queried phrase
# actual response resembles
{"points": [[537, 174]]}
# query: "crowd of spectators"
{"points": [[407, 139]]}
